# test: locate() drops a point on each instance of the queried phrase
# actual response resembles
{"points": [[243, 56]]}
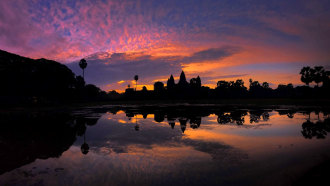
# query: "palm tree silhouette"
{"points": [[319, 71], [84, 147], [136, 78], [307, 75], [83, 65]]}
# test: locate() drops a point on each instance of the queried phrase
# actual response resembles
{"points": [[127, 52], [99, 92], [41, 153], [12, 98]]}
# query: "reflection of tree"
{"points": [[114, 110], [91, 121], [80, 126], [232, 117], [224, 118], [319, 129], [289, 113], [137, 127], [159, 117], [129, 114], [265, 116], [84, 147], [81, 123], [195, 122], [256, 115], [238, 116], [26, 137]]}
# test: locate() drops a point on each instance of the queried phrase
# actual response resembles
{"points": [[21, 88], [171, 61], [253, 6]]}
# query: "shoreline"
{"points": [[242, 103]]}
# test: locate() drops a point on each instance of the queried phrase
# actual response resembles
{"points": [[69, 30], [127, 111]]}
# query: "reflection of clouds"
{"points": [[218, 151], [119, 155], [119, 136], [112, 137], [121, 121]]}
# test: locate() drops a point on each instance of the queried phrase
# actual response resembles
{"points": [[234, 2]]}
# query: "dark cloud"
{"points": [[230, 76], [214, 79], [212, 54]]}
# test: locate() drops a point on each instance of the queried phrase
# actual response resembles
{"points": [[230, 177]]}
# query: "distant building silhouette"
{"points": [[183, 81], [170, 83]]}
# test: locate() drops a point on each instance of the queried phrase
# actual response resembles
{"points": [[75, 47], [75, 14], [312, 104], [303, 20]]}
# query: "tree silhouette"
{"points": [[319, 71], [265, 85], [223, 84], [195, 82], [45, 81], [158, 86], [83, 65], [326, 79], [307, 75], [136, 78]]}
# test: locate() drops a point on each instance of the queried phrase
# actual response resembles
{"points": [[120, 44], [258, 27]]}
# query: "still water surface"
{"points": [[172, 145]]}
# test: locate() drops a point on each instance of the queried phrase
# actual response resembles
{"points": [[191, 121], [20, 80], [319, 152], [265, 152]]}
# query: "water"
{"points": [[163, 145]]}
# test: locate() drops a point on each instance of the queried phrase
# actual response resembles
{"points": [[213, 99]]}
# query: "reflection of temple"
{"points": [[183, 124], [182, 90], [171, 123], [28, 136], [227, 115], [194, 115]]}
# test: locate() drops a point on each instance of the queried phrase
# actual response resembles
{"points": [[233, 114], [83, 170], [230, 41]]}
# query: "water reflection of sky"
{"points": [[269, 151]]}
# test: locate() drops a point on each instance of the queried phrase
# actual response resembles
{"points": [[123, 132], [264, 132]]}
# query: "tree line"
{"points": [[237, 89], [26, 80], [41, 81]]}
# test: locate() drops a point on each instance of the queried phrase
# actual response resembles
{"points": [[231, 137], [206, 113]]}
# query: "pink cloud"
{"points": [[66, 31]]}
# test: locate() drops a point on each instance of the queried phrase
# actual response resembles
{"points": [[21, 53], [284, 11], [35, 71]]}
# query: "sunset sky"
{"points": [[218, 40]]}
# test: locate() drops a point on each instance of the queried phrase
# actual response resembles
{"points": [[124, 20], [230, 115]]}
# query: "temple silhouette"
{"points": [[26, 81], [181, 90], [184, 90]]}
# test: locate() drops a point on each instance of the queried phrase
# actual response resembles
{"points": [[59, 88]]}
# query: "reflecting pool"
{"points": [[163, 145]]}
